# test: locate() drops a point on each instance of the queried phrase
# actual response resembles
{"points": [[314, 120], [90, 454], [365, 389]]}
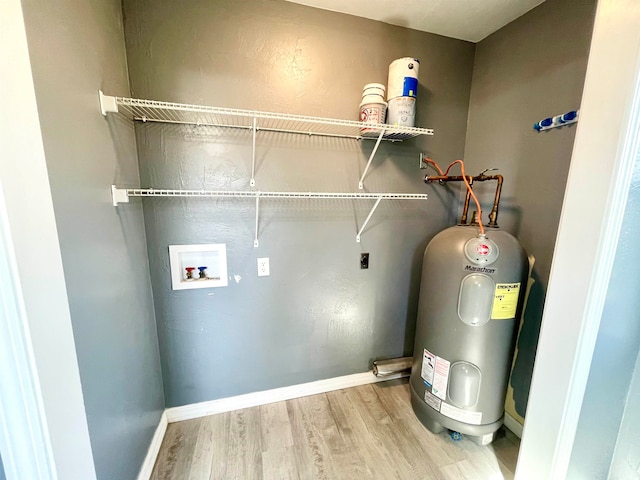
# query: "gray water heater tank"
{"points": [[471, 295]]}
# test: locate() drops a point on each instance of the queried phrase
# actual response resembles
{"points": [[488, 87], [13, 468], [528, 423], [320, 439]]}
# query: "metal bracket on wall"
{"points": [[373, 153], [422, 163], [373, 209], [121, 195], [108, 104], [252, 182], [256, 244]]}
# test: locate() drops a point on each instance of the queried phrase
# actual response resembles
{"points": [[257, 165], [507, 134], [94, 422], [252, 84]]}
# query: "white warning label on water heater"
{"points": [[440, 378], [432, 401], [473, 418], [505, 301], [428, 366]]}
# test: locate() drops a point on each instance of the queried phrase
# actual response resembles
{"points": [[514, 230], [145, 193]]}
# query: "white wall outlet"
{"points": [[263, 267]]}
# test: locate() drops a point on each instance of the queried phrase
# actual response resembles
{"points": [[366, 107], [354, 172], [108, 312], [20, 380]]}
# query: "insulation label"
{"points": [[440, 378], [505, 301], [431, 400], [473, 418], [428, 365]]}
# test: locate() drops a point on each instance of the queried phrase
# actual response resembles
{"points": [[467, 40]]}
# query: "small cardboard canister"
{"points": [[401, 111], [403, 78]]}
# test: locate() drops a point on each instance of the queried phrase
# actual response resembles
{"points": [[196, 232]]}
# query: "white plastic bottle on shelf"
{"points": [[402, 92]]}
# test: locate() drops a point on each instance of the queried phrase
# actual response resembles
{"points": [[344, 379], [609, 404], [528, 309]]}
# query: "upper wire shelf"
{"points": [[179, 113]]}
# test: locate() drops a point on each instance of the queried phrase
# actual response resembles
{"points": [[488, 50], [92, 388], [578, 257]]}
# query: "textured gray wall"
{"points": [[518, 79], [615, 354], [318, 315], [77, 47]]}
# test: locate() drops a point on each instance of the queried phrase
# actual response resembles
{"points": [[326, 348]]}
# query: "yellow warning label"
{"points": [[505, 301]]}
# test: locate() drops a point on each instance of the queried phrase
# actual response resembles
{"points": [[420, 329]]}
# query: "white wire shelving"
{"points": [[121, 195], [255, 121]]}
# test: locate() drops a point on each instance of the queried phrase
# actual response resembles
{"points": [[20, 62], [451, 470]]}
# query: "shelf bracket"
{"points": [[368, 218], [107, 103], [373, 153], [253, 154], [422, 163], [119, 195], [256, 244]]}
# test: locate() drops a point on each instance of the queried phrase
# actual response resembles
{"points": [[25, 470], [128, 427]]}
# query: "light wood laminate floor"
{"points": [[367, 432]]}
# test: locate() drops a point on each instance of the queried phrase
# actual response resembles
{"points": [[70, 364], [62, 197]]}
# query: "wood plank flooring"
{"points": [[367, 432]]}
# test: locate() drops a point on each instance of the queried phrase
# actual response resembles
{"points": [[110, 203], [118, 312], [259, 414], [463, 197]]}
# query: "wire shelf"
{"points": [[254, 121], [178, 113], [156, 192], [121, 195]]}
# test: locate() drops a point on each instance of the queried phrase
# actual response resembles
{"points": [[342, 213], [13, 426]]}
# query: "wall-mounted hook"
{"points": [[557, 121]]}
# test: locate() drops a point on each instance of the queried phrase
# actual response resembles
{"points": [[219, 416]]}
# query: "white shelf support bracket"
{"points": [[422, 163], [256, 244], [373, 154], [368, 218], [108, 104], [119, 195], [253, 155]]}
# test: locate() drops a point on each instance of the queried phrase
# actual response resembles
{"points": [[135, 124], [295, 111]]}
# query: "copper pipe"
{"points": [[465, 210], [446, 178], [493, 216]]}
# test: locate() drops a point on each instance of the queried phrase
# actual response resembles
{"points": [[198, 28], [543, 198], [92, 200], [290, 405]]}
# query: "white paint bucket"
{"points": [[403, 78], [402, 112], [373, 108], [372, 113]]}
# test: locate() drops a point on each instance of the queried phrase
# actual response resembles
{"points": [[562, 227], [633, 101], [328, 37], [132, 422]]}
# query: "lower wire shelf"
{"points": [[121, 195]]}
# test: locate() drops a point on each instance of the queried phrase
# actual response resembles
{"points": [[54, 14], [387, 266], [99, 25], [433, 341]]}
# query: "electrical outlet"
{"points": [[263, 267], [364, 261]]}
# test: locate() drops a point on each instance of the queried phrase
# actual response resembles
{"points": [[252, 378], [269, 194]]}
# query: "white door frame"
{"points": [[43, 423], [604, 153], [24, 437]]}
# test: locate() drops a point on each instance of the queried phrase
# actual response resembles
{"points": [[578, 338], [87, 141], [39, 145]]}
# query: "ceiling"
{"points": [[470, 20]]}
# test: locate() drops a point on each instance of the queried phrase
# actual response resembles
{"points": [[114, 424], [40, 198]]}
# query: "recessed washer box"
{"points": [[213, 256]]}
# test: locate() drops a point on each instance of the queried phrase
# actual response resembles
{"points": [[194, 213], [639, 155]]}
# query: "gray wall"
{"points": [[2, 477], [518, 79], [318, 315], [608, 395], [77, 47]]}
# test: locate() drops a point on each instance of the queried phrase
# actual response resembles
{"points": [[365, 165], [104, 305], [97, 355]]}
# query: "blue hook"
{"points": [[547, 122]]}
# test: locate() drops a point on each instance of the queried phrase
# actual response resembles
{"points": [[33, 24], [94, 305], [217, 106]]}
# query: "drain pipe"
{"points": [[392, 366]]}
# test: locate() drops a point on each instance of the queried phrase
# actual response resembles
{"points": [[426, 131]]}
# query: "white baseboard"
{"points": [[202, 409], [154, 449], [513, 425]]}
